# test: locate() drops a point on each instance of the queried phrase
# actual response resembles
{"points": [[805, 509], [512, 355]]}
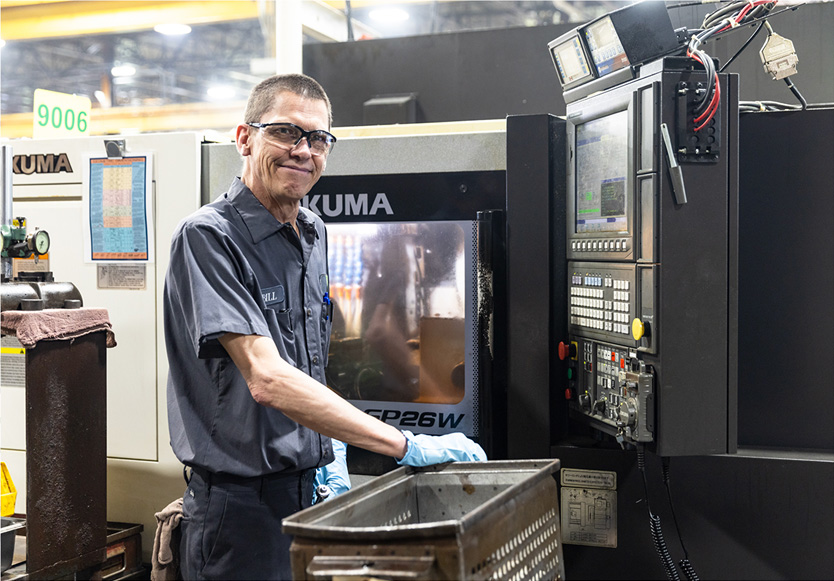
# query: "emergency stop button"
{"points": [[639, 329], [567, 350]]}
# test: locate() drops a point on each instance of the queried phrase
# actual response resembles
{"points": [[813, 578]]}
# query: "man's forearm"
{"points": [[275, 383]]}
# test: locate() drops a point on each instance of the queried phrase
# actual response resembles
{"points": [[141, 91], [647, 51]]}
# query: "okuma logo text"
{"points": [[333, 205]]}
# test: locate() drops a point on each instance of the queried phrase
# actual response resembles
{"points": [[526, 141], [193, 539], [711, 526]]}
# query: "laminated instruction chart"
{"points": [[119, 210]]}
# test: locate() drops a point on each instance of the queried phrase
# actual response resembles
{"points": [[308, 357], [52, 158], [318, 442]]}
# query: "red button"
{"points": [[567, 393]]}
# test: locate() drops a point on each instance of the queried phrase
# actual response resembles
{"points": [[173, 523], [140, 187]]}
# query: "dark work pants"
{"points": [[231, 527]]}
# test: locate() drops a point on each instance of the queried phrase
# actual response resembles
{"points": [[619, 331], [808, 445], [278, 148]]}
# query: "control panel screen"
{"points": [[606, 49], [571, 62], [601, 169]]}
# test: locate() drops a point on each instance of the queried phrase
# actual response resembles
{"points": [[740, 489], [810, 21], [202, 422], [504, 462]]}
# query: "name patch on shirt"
{"points": [[273, 295]]}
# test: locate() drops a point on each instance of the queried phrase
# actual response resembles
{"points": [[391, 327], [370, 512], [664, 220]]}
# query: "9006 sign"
{"points": [[57, 117], [60, 114]]}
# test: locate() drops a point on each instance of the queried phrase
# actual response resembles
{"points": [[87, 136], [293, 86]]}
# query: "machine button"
{"points": [[638, 329], [567, 350]]}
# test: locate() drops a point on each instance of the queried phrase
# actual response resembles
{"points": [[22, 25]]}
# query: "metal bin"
{"points": [[461, 520]]}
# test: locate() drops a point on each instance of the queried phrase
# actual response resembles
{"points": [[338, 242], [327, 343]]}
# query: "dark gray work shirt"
{"points": [[236, 269]]}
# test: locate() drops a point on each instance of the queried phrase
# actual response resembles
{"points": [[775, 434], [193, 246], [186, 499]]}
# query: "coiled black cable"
{"points": [[688, 570], [654, 524], [662, 550], [684, 563]]}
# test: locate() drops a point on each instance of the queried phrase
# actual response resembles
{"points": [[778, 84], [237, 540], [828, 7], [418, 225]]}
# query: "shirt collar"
{"points": [[260, 223]]}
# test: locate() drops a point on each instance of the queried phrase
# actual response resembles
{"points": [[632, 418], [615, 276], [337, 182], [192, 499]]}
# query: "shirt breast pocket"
{"points": [[281, 329]]}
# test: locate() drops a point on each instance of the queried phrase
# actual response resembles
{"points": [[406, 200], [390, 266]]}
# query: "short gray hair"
{"points": [[262, 97]]}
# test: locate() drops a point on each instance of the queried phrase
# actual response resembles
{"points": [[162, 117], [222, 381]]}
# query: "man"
{"points": [[247, 325]]}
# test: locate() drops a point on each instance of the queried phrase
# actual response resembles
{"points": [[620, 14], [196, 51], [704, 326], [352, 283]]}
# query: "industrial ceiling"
{"points": [[73, 46]]}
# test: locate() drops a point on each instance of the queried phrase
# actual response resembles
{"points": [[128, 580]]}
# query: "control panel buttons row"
{"points": [[619, 245], [595, 280], [592, 321], [593, 309], [579, 291]]}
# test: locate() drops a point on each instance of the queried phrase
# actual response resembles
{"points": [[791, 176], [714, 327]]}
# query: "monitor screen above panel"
{"points": [[607, 50], [601, 174], [571, 62]]}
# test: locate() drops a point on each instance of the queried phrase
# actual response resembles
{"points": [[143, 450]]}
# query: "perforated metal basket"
{"points": [[463, 520]]}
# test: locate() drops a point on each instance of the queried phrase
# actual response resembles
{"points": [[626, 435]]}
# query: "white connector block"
{"points": [[779, 57]]}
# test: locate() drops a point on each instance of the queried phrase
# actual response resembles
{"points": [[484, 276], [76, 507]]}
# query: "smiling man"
{"points": [[247, 329]]}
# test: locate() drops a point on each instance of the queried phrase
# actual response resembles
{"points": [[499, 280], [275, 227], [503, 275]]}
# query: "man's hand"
{"points": [[425, 450]]}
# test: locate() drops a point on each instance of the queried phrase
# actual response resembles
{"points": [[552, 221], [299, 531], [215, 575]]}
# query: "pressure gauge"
{"points": [[40, 242]]}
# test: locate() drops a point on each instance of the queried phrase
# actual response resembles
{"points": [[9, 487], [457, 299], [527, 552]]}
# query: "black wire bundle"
{"points": [[738, 12], [761, 106], [730, 16]]}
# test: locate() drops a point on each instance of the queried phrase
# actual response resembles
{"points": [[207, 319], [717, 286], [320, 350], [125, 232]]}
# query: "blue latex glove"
{"points": [[425, 450], [334, 476]]}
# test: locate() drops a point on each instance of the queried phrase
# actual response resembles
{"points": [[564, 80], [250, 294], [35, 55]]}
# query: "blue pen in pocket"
{"points": [[328, 306]]}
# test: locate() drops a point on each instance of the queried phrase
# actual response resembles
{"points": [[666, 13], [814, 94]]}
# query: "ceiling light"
{"points": [[172, 29], [388, 15], [123, 71], [220, 93], [102, 99]]}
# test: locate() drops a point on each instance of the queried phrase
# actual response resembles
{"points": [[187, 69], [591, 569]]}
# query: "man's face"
{"points": [[275, 173]]}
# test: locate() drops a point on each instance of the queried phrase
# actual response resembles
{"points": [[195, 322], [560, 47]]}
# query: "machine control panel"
{"points": [[616, 388], [649, 272]]}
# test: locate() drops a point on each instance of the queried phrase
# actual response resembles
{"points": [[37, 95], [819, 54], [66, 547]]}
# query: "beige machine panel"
{"points": [[139, 454]]}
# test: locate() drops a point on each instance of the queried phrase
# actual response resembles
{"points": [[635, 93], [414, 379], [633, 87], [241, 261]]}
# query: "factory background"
{"points": [[764, 512]]}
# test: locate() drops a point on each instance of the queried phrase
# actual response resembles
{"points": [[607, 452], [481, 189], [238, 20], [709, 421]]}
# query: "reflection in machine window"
{"points": [[398, 323]]}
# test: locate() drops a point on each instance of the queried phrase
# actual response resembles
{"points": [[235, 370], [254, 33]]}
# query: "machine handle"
{"points": [[385, 566], [675, 172]]}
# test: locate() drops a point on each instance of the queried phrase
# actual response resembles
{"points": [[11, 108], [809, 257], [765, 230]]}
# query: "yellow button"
{"points": [[637, 329]]}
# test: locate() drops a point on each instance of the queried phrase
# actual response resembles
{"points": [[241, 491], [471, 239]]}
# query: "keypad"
{"points": [[600, 302]]}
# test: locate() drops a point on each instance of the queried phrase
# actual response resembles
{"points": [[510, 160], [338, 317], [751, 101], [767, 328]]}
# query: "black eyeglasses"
{"points": [[289, 135]]}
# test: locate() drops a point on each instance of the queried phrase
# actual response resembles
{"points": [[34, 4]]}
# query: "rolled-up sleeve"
{"points": [[215, 291]]}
